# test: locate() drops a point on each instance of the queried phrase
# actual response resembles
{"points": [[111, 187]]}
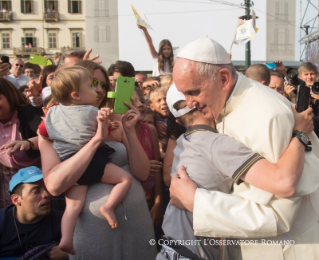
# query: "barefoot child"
{"points": [[70, 126]]}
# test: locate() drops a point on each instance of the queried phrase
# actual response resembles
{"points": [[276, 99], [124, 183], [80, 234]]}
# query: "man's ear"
{"points": [[16, 199], [225, 77], [263, 82], [178, 122], [75, 95]]}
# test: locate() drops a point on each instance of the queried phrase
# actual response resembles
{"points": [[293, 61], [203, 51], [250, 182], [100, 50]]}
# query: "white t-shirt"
{"points": [[156, 72]]}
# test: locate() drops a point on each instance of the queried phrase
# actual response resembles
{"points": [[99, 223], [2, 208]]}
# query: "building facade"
{"points": [[41, 27], [281, 31]]}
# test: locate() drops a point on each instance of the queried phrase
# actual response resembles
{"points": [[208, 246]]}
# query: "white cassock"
{"points": [[262, 119]]}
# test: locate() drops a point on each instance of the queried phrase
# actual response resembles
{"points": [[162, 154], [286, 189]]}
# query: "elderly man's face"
{"points": [[277, 83], [17, 67], [199, 91]]}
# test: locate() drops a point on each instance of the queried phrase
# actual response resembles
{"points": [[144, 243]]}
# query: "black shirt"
{"points": [[47, 230]]}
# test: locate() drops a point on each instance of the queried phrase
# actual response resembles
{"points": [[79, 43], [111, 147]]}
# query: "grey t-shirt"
{"points": [[71, 127], [213, 161]]}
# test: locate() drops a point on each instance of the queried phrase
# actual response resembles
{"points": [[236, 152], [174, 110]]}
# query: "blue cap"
{"points": [[25, 175]]}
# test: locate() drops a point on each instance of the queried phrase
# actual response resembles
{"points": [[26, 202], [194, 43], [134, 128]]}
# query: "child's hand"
{"points": [[103, 123], [16, 146]]}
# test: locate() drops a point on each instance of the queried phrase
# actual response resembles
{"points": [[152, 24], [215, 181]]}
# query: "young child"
{"points": [[70, 125], [158, 104]]}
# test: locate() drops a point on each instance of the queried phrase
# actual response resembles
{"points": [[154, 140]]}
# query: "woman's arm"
{"points": [[149, 41], [59, 176], [168, 161], [157, 209], [139, 162]]}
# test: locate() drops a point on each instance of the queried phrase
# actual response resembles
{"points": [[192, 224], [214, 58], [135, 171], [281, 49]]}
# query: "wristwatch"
{"points": [[30, 143], [303, 138]]}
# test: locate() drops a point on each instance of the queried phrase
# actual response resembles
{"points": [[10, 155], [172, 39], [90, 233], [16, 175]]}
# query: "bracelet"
{"points": [[30, 143]]}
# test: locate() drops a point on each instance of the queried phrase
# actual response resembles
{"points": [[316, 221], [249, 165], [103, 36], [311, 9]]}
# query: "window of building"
{"points": [[29, 40], [76, 39], [102, 33], [5, 5], [52, 39], [101, 8], [26, 6], [282, 10], [75, 6], [6, 40], [50, 5]]}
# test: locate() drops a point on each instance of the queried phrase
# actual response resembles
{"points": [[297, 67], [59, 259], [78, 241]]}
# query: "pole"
{"points": [[247, 54]]}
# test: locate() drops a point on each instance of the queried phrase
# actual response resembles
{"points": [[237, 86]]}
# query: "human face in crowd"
{"points": [[5, 110], [101, 92], [308, 76], [139, 78], [29, 72], [33, 204], [159, 104], [203, 92], [277, 84], [71, 61], [139, 103], [87, 94], [18, 67], [49, 79], [166, 50], [112, 82]]}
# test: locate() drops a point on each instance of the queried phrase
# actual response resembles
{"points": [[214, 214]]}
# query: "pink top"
{"points": [[10, 132], [146, 141]]}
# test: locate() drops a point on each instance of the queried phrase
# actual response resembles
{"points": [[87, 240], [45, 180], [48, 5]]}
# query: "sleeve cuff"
{"points": [[246, 166]]}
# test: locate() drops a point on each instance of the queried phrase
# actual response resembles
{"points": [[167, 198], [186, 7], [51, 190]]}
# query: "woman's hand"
{"points": [[141, 27], [156, 167], [157, 214], [303, 120], [15, 146], [103, 123], [34, 87], [130, 117]]}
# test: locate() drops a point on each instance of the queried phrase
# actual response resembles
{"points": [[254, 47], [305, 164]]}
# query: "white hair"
{"points": [[211, 70]]}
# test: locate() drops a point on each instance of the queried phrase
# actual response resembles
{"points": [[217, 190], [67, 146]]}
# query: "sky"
{"points": [[182, 21]]}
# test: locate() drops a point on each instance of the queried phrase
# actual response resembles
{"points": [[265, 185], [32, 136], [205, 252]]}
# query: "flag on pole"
{"points": [[140, 18]]}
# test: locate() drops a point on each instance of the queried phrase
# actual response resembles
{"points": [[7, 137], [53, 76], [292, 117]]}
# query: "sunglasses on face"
{"points": [[19, 65], [96, 82]]}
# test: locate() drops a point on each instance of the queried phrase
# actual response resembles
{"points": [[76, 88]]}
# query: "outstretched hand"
{"points": [[34, 87], [15, 146], [130, 117], [303, 120], [94, 58], [182, 190], [102, 131]]}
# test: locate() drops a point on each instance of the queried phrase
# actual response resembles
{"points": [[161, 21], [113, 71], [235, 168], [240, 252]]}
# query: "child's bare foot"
{"points": [[66, 246], [109, 215]]}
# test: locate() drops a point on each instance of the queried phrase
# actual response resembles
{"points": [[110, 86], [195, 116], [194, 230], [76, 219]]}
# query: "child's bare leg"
{"points": [[74, 198], [123, 180]]}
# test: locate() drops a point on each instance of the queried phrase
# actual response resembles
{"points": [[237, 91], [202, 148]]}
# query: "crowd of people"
{"points": [[204, 153]]}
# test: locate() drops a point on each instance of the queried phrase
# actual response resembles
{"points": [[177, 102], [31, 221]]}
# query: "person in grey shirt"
{"points": [[221, 160]]}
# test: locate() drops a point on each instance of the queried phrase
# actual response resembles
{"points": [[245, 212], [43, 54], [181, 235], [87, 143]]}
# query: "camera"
{"points": [[304, 99]]}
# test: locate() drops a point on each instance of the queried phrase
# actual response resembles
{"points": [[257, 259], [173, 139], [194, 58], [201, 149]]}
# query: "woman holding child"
{"points": [[93, 237]]}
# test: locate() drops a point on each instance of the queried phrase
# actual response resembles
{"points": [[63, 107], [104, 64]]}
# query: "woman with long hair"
{"points": [[164, 58], [19, 122]]}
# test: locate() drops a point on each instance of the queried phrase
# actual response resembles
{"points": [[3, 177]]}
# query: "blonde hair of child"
{"points": [[156, 91], [167, 80], [67, 80]]}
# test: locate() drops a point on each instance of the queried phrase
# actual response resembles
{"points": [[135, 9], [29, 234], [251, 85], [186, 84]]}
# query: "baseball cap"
{"points": [[205, 50], [173, 96], [25, 175]]}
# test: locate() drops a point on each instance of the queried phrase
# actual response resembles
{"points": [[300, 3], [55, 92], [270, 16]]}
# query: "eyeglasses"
{"points": [[96, 82], [19, 65]]}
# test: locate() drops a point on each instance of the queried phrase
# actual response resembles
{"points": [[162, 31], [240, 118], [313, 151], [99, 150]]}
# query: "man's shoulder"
{"points": [[56, 214], [4, 213]]}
